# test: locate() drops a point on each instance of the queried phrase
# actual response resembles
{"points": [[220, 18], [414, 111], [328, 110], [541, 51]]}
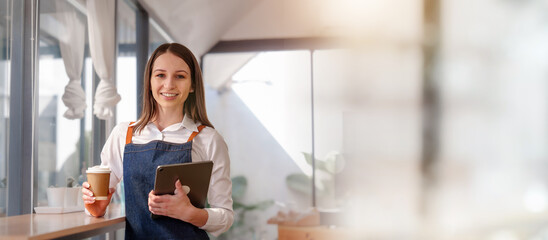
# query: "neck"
{"points": [[167, 118]]}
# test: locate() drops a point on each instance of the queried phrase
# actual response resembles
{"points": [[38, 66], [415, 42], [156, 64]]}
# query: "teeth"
{"points": [[169, 94]]}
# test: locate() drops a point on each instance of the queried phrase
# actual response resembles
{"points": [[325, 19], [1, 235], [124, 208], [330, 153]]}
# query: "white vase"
{"points": [[56, 196]]}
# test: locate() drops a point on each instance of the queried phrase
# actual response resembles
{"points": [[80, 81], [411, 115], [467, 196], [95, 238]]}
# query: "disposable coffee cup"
{"points": [[99, 179]]}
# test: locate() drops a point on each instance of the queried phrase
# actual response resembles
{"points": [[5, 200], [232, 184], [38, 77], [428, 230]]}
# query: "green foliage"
{"points": [[70, 182], [326, 169], [238, 228], [299, 182], [239, 185], [332, 163], [318, 164]]}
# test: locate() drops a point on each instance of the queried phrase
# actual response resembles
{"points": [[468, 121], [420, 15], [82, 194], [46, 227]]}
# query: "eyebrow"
{"points": [[162, 70]]}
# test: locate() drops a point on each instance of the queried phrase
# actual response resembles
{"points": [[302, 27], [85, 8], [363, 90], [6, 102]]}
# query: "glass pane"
{"points": [[63, 143], [126, 110], [5, 26], [155, 37], [261, 104], [367, 122], [126, 64], [495, 109]]}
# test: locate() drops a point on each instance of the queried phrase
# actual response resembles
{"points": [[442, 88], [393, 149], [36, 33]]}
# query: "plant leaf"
{"points": [[318, 163], [299, 182], [239, 185], [334, 162], [238, 205], [308, 158], [261, 205]]}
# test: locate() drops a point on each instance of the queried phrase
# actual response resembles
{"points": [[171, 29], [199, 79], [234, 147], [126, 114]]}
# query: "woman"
{"points": [[173, 128]]}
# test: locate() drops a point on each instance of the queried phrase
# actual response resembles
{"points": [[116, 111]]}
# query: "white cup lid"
{"points": [[98, 169]]}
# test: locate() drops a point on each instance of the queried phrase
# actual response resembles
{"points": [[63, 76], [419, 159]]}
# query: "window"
{"points": [[261, 104], [5, 27], [367, 135], [495, 109], [63, 143], [126, 110], [157, 36]]}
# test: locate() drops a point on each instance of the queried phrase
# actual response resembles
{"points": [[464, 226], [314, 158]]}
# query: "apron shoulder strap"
{"points": [[129, 133], [196, 133]]}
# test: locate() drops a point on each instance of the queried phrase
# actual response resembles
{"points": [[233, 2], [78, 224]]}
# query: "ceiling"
{"points": [[201, 24], [197, 24]]}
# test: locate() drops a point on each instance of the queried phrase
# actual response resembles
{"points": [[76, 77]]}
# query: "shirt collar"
{"points": [[186, 123], [189, 123]]}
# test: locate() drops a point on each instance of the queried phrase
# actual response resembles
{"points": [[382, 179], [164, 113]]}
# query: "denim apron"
{"points": [[140, 162]]}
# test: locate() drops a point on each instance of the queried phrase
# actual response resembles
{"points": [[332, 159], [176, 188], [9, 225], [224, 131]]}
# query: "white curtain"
{"points": [[102, 45], [71, 41]]}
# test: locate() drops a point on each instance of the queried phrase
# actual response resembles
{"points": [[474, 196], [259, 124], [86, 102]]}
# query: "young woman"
{"points": [[173, 128]]}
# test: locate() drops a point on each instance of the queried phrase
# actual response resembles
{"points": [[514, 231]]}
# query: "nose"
{"points": [[169, 82]]}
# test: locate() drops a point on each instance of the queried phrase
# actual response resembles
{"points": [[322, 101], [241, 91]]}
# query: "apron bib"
{"points": [[140, 162]]}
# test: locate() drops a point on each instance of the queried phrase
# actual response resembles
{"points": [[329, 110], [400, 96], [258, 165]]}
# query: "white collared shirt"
{"points": [[207, 145]]}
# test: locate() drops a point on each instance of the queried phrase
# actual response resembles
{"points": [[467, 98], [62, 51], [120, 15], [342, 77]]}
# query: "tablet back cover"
{"points": [[195, 175]]}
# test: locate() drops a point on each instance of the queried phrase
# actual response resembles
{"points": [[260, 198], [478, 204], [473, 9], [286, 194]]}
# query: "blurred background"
{"points": [[413, 119]]}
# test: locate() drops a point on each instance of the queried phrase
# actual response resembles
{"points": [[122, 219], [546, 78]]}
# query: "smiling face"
{"points": [[170, 82]]}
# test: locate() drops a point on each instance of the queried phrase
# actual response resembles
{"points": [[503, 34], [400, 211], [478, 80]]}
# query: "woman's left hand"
{"points": [[175, 206]]}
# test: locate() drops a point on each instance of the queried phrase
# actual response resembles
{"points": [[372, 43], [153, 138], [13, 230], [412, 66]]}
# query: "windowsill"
{"points": [[68, 225]]}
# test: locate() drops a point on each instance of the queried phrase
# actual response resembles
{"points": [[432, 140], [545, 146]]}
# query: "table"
{"points": [[317, 233], [61, 226]]}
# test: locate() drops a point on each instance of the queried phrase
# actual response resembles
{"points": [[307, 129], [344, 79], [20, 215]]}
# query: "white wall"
{"points": [[265, 120]]}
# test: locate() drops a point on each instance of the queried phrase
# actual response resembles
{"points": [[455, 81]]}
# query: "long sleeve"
{"points": [[113, 153], [220, 213]]}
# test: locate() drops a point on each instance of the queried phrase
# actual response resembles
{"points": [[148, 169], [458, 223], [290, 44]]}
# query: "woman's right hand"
{"points": [[96, 208]]}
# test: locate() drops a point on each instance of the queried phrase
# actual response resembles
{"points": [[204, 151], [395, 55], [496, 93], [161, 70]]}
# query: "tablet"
{"points": [[195, 175]]}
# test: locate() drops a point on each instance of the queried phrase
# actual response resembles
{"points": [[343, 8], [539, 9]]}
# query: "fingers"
{"points": [[156, 210], [179, 188], [86, 191], [87, 195], [151, 195], [155, 203], [155, 199], [88, 199]]}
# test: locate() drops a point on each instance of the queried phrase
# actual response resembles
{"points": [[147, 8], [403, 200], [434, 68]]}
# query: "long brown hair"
{"points": [[194, 105]]}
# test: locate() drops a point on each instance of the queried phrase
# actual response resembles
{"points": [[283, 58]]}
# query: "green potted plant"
{"points": [[239, 228], [326, 169]]}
